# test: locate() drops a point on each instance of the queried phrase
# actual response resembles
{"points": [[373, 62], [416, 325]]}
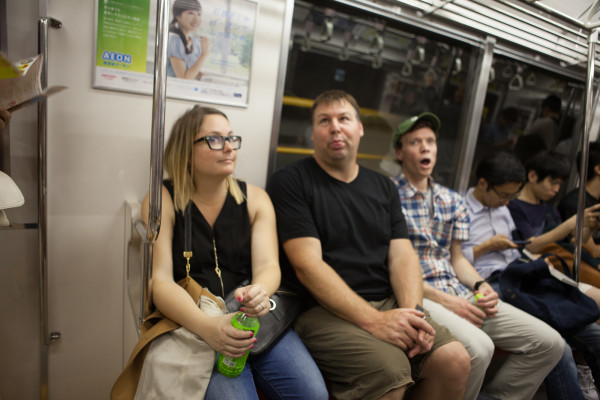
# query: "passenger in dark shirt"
{"points": [[536, 219], [568, 205]]}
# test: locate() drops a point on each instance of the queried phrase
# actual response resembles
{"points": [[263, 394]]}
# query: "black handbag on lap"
{"points": [[531, 287], [285, 307]]}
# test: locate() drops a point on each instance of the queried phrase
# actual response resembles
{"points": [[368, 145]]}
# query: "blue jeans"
{"points": [[562, 382], [285, 371], [587, 340]]}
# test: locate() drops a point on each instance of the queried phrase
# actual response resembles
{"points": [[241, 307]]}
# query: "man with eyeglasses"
{"points": [[490, 249], [438, 224]]}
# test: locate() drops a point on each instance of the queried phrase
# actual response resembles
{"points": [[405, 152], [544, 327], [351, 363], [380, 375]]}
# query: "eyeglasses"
{"points": [[217, 142], [506, 196]]}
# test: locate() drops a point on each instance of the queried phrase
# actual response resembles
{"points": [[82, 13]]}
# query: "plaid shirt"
{"points": [[432, 237]]}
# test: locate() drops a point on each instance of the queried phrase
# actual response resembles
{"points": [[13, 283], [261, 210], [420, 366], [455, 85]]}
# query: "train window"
{"points": [[528, 109], [393, 71]]}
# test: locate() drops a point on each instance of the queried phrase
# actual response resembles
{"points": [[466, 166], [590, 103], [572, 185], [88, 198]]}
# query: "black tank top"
{"points": [[232, 236]]}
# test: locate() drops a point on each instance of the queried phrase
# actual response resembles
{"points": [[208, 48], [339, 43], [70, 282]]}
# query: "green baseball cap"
{"points": [[409, 123]]}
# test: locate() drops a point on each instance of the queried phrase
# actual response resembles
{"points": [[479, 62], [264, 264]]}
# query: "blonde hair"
{"points": [[179, 153]]}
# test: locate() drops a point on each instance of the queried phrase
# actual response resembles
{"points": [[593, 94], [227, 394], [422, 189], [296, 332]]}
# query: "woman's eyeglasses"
{"points": [[217, 142]]}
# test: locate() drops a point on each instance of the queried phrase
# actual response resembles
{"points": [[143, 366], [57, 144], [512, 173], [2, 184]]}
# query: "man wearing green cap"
{"points": [[342, 231], [438, 223]]}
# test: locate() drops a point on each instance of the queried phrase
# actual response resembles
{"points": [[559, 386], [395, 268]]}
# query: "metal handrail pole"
{"points": [[476, 99], [589, 93], [43, 24], [278, 106], [45, 336], [156, 150], [42, 182], [43, 265]]}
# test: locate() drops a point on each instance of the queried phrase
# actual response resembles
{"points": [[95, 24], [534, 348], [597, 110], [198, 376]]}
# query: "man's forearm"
{"points": [[405, 275], [333, 294]]}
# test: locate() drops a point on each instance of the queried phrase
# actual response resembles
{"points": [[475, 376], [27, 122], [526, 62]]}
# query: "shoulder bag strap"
{"points": [[187, 244]]}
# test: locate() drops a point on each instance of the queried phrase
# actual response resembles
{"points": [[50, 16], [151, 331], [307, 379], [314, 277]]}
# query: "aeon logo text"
{"points": [[118, 57]]}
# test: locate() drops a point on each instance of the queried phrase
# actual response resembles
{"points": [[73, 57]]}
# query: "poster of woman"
{"points": [[209, 48], [186, 51]]}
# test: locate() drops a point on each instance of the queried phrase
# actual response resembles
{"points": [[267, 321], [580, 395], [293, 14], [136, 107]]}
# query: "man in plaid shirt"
{"points": [[438, 223]]}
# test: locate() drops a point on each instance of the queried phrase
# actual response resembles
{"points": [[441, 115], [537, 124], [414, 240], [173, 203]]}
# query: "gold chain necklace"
{"points": [[217, 269], [188, 245]]}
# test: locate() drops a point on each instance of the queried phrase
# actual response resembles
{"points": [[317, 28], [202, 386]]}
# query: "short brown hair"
{"points": [[333, 96]]}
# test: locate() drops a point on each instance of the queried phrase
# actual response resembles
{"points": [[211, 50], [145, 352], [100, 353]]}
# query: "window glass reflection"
{"points": [[527, 110], [393, 71]]}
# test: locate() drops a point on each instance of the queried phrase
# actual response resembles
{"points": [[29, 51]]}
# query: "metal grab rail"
{"points": [[45, 337], [156, 149], [43, 24], [592, 39]]}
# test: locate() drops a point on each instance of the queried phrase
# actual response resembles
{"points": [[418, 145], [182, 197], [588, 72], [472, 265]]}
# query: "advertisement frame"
{"points": [[124, 45]]}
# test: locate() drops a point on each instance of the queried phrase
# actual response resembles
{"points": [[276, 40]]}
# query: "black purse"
{"points": [[285, 307], [533, 288]]}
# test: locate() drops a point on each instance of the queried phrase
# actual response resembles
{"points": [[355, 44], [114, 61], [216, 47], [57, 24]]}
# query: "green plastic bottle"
{"points": [[232, 367]]}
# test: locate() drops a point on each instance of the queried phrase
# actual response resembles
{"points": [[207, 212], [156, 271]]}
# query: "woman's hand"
{"points": [[228, 340], [205, 44], [254, 300]]}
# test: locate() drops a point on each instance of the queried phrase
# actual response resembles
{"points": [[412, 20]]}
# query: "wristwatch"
{"points": [[477, 284]]}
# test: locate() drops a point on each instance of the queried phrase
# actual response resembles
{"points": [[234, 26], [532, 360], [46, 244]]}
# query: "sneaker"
{"points": [[586, 381]]}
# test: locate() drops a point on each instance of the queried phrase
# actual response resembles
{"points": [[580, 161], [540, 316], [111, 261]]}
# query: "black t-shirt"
{"points": [[568, 204], [568, 207], [355, 221], [232, 234]]}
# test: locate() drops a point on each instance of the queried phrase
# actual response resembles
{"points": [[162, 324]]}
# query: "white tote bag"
{"points": [[178, 364], [10, 196]]}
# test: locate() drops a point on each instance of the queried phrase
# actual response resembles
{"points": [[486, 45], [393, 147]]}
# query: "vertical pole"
{"points": [[474, 111], [5, 133], [283, 60], [156, 150], [589, 94], [45, 337]]}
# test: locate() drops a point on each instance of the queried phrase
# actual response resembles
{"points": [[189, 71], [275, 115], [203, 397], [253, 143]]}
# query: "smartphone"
{"points": [[521, 242]]}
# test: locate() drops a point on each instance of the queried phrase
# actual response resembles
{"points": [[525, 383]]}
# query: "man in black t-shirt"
{"points": [[568, 205], [342, 230]]}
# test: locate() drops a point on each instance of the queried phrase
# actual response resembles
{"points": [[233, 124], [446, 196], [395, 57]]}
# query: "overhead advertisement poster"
{"points": [[208, 53]]}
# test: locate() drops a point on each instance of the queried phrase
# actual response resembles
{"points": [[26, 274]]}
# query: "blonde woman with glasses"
{"points": [[233, 238]]}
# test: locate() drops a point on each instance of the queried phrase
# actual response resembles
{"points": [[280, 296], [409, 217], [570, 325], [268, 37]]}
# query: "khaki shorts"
{"points": [[359, 365]]}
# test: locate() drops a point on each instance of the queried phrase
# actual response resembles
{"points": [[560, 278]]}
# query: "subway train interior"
{"points": [[72, 277]]}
